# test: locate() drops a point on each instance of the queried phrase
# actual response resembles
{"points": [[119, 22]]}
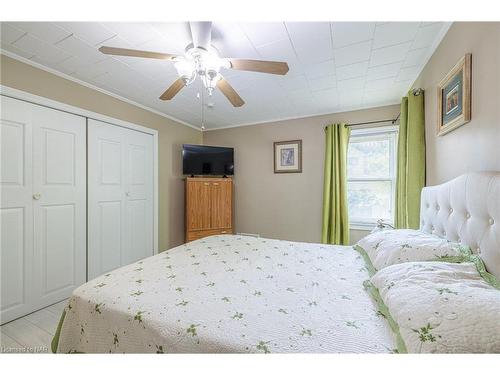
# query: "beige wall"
{"points": [[289, 205], [476, 145], [171, 135]]}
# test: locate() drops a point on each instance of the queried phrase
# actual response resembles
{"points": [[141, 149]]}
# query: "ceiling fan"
{"points": [[202, 60]]}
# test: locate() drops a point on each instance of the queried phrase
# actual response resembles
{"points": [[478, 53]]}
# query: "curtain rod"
{"points": [[392, 121], [416, 92]]}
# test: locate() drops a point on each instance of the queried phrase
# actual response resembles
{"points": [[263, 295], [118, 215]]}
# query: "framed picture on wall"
{"points": [[454, 97], [288, 156]]}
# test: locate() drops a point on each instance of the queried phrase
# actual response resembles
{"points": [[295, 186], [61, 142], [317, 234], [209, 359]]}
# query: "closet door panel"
{"points": [[16, 209], [13, 258], [110, 235], [58, 249], [137, 241], [109, 201], [106, 197], [59, 186], [139, 196], [120, 212], [13, 153]]}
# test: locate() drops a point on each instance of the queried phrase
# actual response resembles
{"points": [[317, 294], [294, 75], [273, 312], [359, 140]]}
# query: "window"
{"points": [[371, 176]]}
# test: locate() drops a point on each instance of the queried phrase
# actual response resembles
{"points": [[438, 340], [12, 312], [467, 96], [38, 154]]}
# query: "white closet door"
{"points": [[59, 186], [43, 205], [16, 210], [139, 196], [106, 197], [120, 197]]}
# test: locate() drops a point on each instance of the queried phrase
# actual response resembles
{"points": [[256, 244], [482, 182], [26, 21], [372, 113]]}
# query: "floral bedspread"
{"points": [[226, 294]]}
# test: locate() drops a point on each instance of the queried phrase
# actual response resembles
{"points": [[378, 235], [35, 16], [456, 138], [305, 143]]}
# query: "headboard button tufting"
{"points": [[447, 210]]}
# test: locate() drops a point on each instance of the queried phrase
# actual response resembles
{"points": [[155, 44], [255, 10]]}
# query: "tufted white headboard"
{"points": [[466, 210]]}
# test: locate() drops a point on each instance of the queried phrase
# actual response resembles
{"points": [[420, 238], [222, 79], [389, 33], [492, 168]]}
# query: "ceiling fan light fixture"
{"points": [[186, 70], [210, 81], [211, 62], [225, 63]]}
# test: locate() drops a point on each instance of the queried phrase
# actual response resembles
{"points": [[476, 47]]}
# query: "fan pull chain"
{"points": [[202, 108]]}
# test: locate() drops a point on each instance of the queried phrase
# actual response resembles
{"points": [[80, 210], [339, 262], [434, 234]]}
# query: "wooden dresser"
{"points": [[209, 207]]}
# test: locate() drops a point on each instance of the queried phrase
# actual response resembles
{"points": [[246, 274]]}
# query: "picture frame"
{"points": [[454, 97], [288, 156]]}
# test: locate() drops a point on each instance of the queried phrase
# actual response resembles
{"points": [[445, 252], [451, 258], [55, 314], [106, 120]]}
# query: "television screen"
{"points": [[207, 160]]}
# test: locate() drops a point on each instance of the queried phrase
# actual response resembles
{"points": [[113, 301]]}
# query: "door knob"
{"points": [[127, 193], [37, 196]]}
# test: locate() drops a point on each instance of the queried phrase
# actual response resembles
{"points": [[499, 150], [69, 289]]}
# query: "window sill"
{"points": [[366, 226], [362, 226]]}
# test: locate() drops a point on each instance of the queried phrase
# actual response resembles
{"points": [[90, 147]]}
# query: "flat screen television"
{"points": [[207, 160]]}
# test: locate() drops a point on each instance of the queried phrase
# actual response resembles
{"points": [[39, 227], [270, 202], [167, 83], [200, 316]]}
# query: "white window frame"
{"points": [[357, 135]]}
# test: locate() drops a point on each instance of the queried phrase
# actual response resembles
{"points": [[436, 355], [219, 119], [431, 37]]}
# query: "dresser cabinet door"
{"points": [[221, 201], [198, 205], [209, 207]]}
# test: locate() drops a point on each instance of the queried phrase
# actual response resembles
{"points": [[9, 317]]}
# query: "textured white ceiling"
{"points": [[334, 66]]}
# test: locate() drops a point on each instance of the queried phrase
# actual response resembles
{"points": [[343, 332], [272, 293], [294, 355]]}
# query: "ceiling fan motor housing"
{"points": [[201, 33]]}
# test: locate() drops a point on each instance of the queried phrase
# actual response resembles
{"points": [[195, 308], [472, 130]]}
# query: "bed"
{"points": [[230, 294], [241, 294]]}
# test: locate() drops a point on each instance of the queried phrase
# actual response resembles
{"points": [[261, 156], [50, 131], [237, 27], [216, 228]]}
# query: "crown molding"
{"points": [[93, 87]]}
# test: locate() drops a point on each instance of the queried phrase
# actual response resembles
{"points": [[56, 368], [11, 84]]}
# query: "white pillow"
{"points": [[442, 307], [388, 247]]}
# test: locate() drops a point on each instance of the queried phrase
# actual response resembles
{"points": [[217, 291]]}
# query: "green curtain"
{"points": [[411, 161], [335, 219]]}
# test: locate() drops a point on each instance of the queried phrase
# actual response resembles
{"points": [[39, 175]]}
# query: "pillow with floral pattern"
{"points": [[442, 307], [388, 247]]}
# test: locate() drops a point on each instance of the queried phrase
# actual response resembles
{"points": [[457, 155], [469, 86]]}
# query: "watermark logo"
{"points": [[27, 349]]}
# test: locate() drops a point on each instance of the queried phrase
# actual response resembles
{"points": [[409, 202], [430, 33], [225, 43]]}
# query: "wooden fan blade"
{"points": [[173, 89], [230, 93], [272, 67], [135, 53]]}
